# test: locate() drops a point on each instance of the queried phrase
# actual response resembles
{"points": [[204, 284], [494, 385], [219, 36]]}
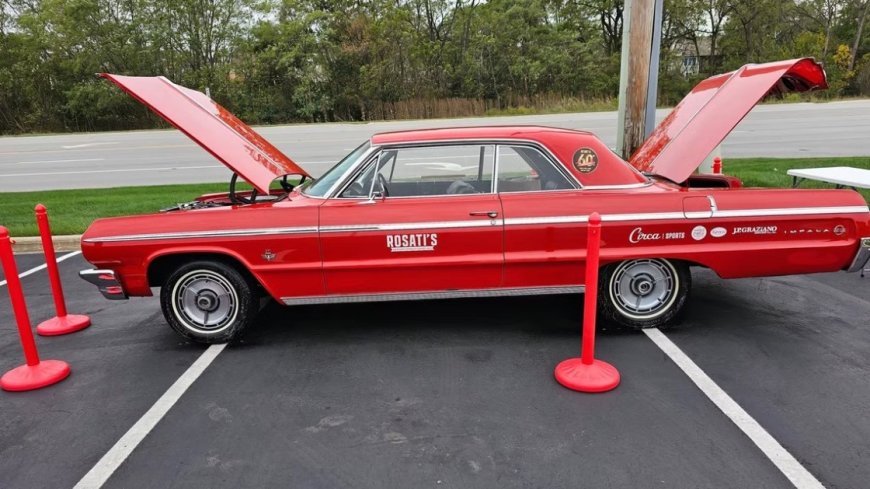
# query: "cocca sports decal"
{"points": [[412, 242], [637, 235], [585, 160]]}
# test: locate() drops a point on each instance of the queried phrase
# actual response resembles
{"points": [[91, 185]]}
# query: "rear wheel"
{"points": [[644, 293], [208, 301]]}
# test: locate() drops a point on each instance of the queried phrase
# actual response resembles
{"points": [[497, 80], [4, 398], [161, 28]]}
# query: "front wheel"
{"points": [[644, 293], [208, 301]]}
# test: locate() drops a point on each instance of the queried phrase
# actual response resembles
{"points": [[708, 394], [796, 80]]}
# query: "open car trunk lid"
{"points": [[703, 119], [213, 127]]}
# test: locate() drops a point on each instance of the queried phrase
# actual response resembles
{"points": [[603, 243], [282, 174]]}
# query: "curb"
{"points": [[30, 244]]}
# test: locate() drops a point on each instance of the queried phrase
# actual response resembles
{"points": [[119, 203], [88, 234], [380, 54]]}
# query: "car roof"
{"points": [[535, 133]]}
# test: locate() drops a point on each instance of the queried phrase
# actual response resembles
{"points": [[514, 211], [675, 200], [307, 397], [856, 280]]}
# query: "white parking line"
{"points": [[784, 461], [41, 267], [100, 473], [118, 170], [59, 161], [87, 145]]}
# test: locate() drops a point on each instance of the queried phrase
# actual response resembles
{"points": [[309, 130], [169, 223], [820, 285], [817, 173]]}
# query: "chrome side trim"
{"points": [[792, 211], [713, 204], [106, 281], [619, 186], [862, 257], [646, 216], [403, 226], [516, 221], [221, 233], [446, 294], [524, 221]]}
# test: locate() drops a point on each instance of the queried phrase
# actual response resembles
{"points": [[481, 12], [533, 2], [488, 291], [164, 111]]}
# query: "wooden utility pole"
{"points": [[638, 75]]}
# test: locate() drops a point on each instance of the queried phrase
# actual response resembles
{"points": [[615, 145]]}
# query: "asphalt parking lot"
{"points": [[449, 393]]}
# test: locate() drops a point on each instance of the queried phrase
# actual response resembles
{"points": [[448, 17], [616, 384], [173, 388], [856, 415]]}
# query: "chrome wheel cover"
{"points": [[205, 302], [644, 289]]}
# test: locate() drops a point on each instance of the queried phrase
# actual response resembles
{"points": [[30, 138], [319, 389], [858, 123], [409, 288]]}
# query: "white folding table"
{"points": [[841, 176]]}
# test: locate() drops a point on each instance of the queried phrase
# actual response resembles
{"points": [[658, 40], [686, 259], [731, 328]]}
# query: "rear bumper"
{"points": [[862, 257], [106, 281]]}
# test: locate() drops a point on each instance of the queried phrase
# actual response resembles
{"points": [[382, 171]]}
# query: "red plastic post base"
{"points": [[59, 325], [597, 377], [27, 377]]}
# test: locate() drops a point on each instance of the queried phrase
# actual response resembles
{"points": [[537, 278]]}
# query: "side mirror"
{"points": [[376, 196]]}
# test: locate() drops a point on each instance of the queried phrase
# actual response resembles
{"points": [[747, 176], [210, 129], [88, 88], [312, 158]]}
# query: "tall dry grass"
{"points": [[424, 108]]}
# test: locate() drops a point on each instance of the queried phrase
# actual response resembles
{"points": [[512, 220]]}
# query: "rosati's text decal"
{"points": [[585, 160], [718, 232], [412, 242], [638, 235]]}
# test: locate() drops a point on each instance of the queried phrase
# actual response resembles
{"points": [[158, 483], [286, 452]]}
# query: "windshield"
{"points": [[320, 186]]}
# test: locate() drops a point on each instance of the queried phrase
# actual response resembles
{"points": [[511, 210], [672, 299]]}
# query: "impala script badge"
{"points": [[412, 242]]}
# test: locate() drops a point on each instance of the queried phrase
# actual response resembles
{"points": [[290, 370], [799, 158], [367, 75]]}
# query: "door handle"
{"points": [[489, 214]]}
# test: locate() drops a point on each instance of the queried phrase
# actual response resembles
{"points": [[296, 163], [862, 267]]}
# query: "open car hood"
{"points": [[213, 127], [679, 145]]}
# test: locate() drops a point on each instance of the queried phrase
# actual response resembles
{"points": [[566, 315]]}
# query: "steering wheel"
{"points": [[238, 199], [356, 189], [383, 183], [287, 186]]}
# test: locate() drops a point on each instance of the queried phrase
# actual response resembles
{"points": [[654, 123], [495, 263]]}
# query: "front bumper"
{"points": [[106, 282], [862, 257]]}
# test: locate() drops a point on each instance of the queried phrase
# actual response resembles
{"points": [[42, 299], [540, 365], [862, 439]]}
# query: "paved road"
{"points": [[449, 393], [163, 157]]}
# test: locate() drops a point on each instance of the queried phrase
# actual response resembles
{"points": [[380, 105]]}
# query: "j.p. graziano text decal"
{"points": [[758, 230], [412, 242]]}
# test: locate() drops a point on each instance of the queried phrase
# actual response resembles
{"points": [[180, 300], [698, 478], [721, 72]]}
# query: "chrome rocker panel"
{"points": [[862, 257], [106, 282], [446, 294]]}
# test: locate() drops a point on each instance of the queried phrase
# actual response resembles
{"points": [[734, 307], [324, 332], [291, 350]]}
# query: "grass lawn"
{"points": [[771, 172], [71, 211]]}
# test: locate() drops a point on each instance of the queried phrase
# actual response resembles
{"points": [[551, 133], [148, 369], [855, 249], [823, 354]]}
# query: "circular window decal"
{"points": [[585, 160]]}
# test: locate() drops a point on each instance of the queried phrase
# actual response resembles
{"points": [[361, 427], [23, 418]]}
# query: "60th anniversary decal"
{"points": [[585, 160]]}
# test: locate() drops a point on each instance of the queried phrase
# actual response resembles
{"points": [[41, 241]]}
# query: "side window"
{"points": [[429, 170], [526, 169]]}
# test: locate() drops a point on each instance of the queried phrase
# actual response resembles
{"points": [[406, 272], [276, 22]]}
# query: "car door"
{"points": [[415, 219], [544, 215]]}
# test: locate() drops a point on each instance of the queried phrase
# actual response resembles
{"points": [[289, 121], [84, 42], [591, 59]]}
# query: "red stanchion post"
{"points": [[717, 165], [34, 374], [586, 374], [63, 323]]}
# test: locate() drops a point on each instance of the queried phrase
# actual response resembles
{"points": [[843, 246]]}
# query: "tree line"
{"points": [[273, 61]]}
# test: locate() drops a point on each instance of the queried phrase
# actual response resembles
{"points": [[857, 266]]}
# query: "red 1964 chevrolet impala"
{"points": [[471, 212]]}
